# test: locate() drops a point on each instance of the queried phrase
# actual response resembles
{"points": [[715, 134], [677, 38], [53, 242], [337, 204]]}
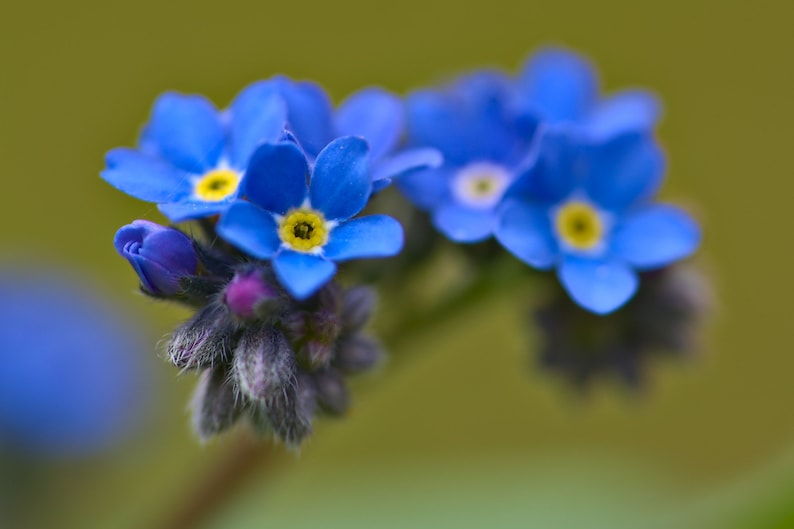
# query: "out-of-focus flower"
{"points": [[191, 158], [305, 227], [663, 319], [160, 256], [71, 375], [584, 207], [373, 114]]}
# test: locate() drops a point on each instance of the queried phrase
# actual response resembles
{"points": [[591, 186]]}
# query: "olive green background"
{"points": [[463, 432]]}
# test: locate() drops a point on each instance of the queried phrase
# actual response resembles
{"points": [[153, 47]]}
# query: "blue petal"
{"points": [[308, 113], [144, 177], [258, 115], [405, 161], [464, 224], [380, 185], [525, 231], [276, 178], [302, 274], [374, 114], [655, 236], [558, 84], [186, 130], [341, 182], [251, 229], [625, 170], [426, 189], [182, 211], [373, 236], [600, 286], [628, 110], [554, 169]]}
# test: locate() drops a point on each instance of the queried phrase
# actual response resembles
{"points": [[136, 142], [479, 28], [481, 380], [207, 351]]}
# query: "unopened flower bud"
{"points": [[214, 404], [357, 308], [249, 295], [290, 413], [358, 352], [159, 255], [206, 340], [264, 363], [330, 391]]}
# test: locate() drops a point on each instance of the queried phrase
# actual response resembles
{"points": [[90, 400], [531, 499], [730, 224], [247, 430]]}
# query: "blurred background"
{"points": [[460, 428]]}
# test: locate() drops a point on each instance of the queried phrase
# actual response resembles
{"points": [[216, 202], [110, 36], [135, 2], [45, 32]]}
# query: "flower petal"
{"points": [[558, 84], [302, 274], [308, 113], [182, 211], [625, 170], [258, 115], [276, 178], [625, 111], [372, 236], [374, 114], [553, 170], [465, 225], [341, 182], [428, 188], [144, 177], [250, 229], [186, 130], [655, 236], [525, 231], [600, 286], [405, 161]]}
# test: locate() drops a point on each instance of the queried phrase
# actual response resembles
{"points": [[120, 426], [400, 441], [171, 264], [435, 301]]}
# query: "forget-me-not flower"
{"points": [[303, 223], [584, 207], [191, 158]]}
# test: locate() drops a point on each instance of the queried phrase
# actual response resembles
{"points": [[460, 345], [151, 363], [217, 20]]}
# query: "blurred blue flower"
{"points": [[304, 226], [72, 378], [584, 207], [191, 158], [374, 114], [159, 255]]}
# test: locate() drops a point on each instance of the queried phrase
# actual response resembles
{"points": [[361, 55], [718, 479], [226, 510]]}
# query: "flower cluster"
{"points": [[562, 177]]}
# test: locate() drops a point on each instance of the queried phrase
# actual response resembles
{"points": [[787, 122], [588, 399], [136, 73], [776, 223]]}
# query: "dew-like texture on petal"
{"points": [[558, 84], [655, 236], [525, 231], [600, 286], [557, 169], [372, 236], [625, 170], [276, 178], [309, 113], [182, 211], [341, 182], [258, 115], [426, 189], [374, 114], [467, 121], [144, 177], [406, 161], [462, 224], [628, 110], [251, 229], [186, 130], [302, 274]]}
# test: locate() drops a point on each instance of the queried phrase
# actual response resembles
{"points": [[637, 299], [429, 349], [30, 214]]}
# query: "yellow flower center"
{"points": [[217, 185], [303, 230], [579, 225]]}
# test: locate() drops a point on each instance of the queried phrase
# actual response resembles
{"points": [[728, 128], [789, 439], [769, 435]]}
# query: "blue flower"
{"points": [[161, 256], [374, 114], [556, 86], [471, 123], [584, 207], [72, 379], [305, 226], [191, 158]]}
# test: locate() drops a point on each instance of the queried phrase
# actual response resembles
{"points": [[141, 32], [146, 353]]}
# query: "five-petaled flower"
{"points": [[584, 207], [304, 225], [191, 158]]}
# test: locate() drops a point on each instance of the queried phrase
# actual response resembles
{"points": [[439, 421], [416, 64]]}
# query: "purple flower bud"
{"points": [[249, 295], [330, 391], [358, 306], [358, 352], [264, 364], [214, 404], [160, 255]]}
